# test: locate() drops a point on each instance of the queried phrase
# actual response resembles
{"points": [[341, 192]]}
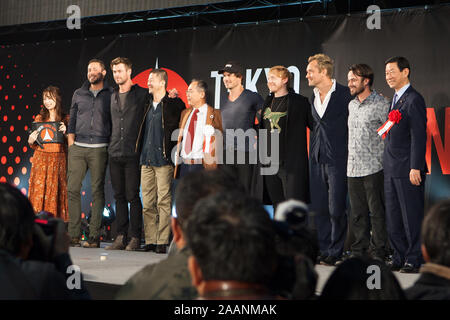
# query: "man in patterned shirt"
{"points": [[367, 112]]}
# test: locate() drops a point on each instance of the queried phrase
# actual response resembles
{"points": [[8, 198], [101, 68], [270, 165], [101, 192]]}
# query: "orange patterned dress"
{"points": [[48, 178]]}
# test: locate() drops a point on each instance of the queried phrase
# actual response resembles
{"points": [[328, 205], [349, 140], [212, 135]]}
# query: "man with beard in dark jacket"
{"points": [[434, 282], [160, 119], [89, 131], [128, 105], [285, 117]]}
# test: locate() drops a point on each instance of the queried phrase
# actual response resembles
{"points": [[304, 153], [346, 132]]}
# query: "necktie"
{"points": [[191, 133], [394, 101]]}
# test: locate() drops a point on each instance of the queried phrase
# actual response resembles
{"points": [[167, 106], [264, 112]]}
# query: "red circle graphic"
{"points": [[174, 81]]}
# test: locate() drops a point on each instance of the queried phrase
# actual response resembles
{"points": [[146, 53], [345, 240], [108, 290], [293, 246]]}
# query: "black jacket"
{"points": [[171, 112], [429, 287], [90, 116], [124, 122], [405, 144], [329, 137], [28, 279], [294, 169]]}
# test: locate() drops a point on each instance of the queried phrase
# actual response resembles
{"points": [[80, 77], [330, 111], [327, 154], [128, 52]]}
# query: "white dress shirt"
{"points": [[320, 106], [199, 136], [401, 91]]}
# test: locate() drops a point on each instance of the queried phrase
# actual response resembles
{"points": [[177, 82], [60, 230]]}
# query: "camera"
{"points": [[45, 231], [297, 249]]}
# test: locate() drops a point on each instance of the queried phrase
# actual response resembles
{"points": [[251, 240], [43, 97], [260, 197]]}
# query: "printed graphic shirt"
{"points": [[365, 146]]}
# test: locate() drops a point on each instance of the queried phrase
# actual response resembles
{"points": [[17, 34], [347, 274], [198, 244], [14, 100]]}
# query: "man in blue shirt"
{"points": [[238, 109]]}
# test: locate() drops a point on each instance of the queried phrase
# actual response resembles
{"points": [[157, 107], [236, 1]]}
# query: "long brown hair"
{"points": [[55, 94]]}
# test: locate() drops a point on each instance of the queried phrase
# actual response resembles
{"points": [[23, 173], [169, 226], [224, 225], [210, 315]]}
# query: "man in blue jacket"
{"points": [[405, 167], [328, 157], [89, 132]]}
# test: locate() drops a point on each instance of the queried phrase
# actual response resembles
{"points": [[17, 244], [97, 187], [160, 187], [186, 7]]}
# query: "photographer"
{"points": [[297, 248], [22, 239]]}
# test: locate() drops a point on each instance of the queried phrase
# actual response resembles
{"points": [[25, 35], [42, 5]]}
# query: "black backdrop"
{"points": [[420, 35]]}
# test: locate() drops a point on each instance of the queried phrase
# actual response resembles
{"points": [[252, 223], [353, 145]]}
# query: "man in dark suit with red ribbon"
{"points": [[405, 167]]}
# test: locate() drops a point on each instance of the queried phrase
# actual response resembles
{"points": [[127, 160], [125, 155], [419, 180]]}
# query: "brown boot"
{"points": [[118, 244], [133, 245], [75, 242], [92, 243]]}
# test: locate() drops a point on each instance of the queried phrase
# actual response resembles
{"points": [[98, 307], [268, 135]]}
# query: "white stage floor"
{"points": [[116, 267]]}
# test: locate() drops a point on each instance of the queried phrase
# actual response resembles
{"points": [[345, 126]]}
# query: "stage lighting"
{"points": [[106, 212], [108, 216]]}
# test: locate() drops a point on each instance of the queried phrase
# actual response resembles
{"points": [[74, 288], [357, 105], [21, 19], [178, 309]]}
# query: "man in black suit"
{"points": [[328, 157], [405, 167]]}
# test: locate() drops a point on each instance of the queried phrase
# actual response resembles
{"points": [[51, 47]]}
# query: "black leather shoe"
{"points": [[331, 261], [378, 258], [409, 268], [394, 267], [320, 259], [161, 248], [149, 247]]}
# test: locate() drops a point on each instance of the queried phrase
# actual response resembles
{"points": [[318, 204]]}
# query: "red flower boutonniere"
{"points": [[395, 116]]}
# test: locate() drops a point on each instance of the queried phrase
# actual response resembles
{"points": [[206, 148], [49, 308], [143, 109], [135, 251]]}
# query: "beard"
{"points": [[97, 78], [357, 90]]}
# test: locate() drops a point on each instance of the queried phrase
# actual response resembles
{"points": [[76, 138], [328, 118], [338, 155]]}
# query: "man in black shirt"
{"points": [[128, 104], [285, 117], [238, 109]]}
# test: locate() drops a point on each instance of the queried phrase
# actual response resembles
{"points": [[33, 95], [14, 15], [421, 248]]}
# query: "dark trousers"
{"points": [[125, 179], [275, 190], [328, 202], [367, 214], [240, 163], [404, 216], [188, 168]]}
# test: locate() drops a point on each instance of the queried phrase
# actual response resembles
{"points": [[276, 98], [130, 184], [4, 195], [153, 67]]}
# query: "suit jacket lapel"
{"points": [[185, 119], [209, 116], [183, 124], [313, 108], [402, 99], [330, 104], [180, 139]]}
